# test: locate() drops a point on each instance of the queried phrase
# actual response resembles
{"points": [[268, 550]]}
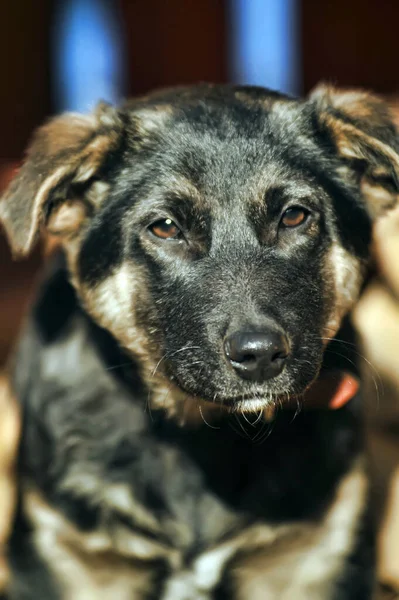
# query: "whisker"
{"points": [[119, 366], [237, 418], [374, 380], [258, 417], [246, 419], [264, 433], [237, 431], [335, 339], [166, 395], [147, 407], [157, 365], [183, 349], [203, 418], [377, 379], [167, 355], [299, 407]]}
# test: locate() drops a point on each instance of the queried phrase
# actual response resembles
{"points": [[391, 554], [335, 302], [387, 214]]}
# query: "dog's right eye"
{"points": [[165, 229]]}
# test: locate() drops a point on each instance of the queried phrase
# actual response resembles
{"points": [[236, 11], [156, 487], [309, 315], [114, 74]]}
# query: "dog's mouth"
{"points": [[331, 390]]}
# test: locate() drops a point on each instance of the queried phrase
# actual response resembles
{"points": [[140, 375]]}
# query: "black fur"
{"points": [[284, 471], [223, 164]]}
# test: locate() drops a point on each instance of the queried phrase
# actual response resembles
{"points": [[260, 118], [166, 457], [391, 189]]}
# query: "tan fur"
{"points": [[313, 557], [112, 303], [150, 119], [250, 100], [116, 498], [95, 565], [355, 144], [354, 119], [67, 219], [67, 130], [119, 539], [356, 104], [9, 434], [86, 566], [69, 149], [42, 194], [346, 272]]}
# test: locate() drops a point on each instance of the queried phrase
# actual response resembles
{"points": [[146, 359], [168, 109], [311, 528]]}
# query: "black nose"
{"points": [[257, 355]]}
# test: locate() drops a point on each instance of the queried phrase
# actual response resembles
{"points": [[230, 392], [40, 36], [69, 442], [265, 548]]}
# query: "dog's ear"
{"points": [[65, 158], [363, 135]]}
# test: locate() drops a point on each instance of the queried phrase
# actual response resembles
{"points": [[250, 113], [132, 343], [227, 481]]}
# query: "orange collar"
{"points": [[331, 390]]}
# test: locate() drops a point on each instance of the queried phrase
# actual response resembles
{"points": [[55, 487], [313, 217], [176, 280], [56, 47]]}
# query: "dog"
{"points": [[214, 241]]}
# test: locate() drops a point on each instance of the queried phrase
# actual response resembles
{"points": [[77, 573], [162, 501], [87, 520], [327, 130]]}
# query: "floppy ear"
{"points": [[65, 158], [363, 135]]}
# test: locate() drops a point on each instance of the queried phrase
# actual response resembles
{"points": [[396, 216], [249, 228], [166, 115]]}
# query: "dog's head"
{"points": [[220, 233]]}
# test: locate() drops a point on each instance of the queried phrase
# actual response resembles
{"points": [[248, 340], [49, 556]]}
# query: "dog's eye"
{"points": [[165, 229], [294, 216]]}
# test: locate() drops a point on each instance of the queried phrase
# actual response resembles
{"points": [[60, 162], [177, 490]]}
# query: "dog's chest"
{"points": [[137, 552], [173, 513]]}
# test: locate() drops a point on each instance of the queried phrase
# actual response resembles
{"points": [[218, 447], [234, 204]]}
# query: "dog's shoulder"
{"points": [[59, 340]]}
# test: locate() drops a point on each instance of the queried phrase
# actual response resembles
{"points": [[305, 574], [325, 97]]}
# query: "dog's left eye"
{"points": [[165, 229], [294, 216]]}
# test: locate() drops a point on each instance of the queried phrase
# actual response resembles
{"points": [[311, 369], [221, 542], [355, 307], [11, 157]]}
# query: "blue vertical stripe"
{"points": [[87, 50], [265, 44]]}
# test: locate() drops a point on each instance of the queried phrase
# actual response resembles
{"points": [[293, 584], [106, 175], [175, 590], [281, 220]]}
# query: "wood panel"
{"points": [[24, 71], [174, 42], [25, 102], [351, 42]]}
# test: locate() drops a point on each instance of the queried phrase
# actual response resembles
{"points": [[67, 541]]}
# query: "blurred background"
{"points": [[58, 55], [66, 54]]}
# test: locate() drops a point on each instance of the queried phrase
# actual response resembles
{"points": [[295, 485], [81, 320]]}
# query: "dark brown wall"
{"points": [[24, 103], [351, 42], [24, 71], [173, 41]]}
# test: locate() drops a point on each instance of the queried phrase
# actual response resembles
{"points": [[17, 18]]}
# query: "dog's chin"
{"points": [[251, 404], [235, 395], [255, 403], [244, 402], [185, 401]]}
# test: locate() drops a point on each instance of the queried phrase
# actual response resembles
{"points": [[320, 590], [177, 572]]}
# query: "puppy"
{"points": [[214, 240]]}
